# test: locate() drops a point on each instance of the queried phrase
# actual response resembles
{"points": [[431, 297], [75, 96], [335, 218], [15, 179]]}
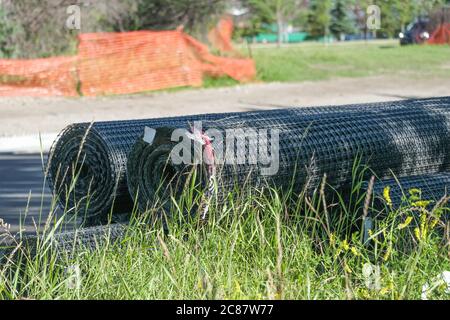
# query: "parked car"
{"points": [[416, 33]]}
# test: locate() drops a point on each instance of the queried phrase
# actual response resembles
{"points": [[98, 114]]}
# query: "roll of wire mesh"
{"points": [[407, 191], [87, 164], [401, 138], [69, 241]]}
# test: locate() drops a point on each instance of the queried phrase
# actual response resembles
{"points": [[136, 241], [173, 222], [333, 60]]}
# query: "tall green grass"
{"points": [[256, 244]]}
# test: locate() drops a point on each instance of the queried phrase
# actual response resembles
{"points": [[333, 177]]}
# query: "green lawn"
{"points": [[320, 62], [316, 61]]}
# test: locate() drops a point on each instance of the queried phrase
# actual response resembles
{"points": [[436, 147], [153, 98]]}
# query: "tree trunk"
{"points": [[325, 37], [280, 29], [365, 33]]}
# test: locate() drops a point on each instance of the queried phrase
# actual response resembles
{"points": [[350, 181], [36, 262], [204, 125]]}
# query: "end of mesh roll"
{"points": [[138, 163], [394, 192], [94, 196], [151, 170], [90, 239]]}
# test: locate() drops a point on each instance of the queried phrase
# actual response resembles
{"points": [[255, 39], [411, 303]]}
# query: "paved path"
{"points": [[23, 116], [21, 185]]}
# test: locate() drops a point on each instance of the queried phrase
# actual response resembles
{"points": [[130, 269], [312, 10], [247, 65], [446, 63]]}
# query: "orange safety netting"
{"points": [[220, 36], [441, 35], [38, 77], [121, 63], [240, 69]]}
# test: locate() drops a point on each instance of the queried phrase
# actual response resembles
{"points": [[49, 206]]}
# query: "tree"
{"points": [[405, 11], [396, 14], [169, 14], [279, 11], [340, 20], [425, 7], [359, 9], [319, 17], [5, 31], [39, 26]]}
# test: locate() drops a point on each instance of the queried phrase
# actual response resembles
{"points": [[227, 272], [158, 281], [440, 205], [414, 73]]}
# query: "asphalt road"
{"points": [[24, 200]]}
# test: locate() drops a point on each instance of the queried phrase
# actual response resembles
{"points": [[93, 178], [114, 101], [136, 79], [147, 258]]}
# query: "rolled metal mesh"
{"points": [[90, 239], [87, 163], [400, 138], [407, 190]]}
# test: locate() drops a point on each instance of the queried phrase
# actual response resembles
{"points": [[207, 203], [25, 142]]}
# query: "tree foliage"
{"points": [[319, 18], [35, 28], [5, 31], [340, 20], [281, 12], [169, 14], [396, 14]]}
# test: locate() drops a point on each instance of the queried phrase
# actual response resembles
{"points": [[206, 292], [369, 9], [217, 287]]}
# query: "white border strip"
{"points": [[27, 144]]}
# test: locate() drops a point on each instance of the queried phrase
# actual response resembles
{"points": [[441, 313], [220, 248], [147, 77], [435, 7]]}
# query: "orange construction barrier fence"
{"points": [[121, 63], [441, 35], [220, 36], [38, 77]]}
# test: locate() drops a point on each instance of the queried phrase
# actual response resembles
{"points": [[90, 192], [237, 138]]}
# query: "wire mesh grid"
{"points": [[399, 138], [410, 139], [429, 187], [87, 163], [64, 242]]}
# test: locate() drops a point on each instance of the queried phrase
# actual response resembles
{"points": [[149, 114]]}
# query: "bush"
{"points": [[33, 28]]}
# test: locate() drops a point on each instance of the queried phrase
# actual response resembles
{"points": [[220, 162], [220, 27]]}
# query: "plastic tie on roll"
{"points": [[208, 155], [149, 135]]}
